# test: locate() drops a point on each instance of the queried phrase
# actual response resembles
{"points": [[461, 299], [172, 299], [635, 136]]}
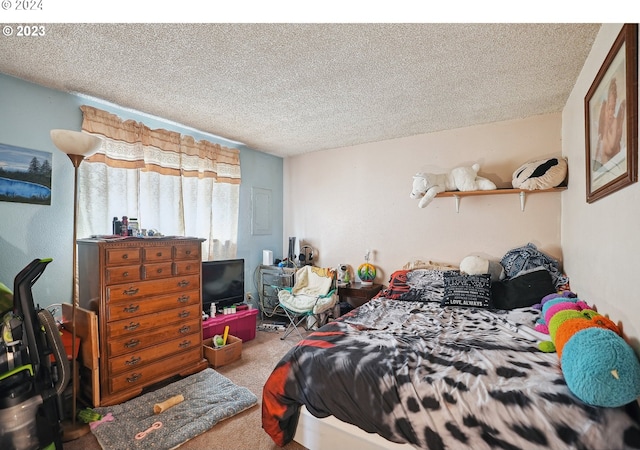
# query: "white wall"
{"points": [[347, 200], [601, 240]]}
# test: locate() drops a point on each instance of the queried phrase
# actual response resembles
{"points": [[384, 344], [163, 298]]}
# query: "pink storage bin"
{"points": [[242, 324]]}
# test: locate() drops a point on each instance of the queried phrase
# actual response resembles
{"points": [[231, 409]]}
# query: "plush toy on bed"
{"points": [[599, 366], [427, 185], [542, 174], [478, 265], [555, 304], [565, 322]]}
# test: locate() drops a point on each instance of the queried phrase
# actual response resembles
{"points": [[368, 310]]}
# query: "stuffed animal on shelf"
{"points": [[427, 185], [542, 174]]}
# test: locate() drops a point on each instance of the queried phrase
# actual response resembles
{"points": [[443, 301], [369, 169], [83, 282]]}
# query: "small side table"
{"points": [[356, 294]]}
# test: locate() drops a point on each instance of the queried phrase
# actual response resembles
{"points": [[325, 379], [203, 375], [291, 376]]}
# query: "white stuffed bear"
{"points": [[427, 185]]}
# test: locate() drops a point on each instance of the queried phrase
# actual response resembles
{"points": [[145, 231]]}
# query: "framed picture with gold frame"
{"points": [[611, 119]]}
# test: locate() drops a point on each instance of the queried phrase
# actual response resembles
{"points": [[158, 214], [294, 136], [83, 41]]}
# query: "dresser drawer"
{"points": [[122, 256], [129, 327], [187, 267], [130, 291], [187, 251], [161, 303], [157, 270], [127, 344], [145, 356], [121, 274], [150, 373], [157, 253]]}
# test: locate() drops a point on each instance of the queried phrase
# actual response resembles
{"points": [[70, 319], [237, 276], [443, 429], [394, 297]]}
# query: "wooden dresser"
{"points": [[146, 292]]}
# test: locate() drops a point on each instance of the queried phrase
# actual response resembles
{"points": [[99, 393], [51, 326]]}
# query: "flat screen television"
{"points": [[222, 283]]}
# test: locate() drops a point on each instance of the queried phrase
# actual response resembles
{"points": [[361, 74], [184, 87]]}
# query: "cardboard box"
{"points": [[224, 355]]}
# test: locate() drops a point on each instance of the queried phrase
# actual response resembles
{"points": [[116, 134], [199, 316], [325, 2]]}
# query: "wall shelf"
{"points": [[522, 193]]}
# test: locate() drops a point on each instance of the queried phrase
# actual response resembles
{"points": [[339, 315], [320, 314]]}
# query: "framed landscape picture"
{"points": [[25, 175], [611, 119]]}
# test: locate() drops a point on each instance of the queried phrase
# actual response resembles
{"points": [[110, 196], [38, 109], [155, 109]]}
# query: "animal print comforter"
{"points": [[438, 378]]}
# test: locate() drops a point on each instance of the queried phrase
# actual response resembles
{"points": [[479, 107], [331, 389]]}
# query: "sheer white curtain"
{"points": [[168, 181]]}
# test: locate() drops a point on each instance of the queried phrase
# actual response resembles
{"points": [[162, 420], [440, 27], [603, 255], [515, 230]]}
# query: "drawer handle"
{"points": [[131, 291], [184, 314], [159, 271], [131, 308], [125, 256], [133, 378], [159, 254], [132, 343], [184, 330], [184, 344], [125, 274], [132, 326], [133, 361], [188, 266], [184, 299], [183, 283], [188, 252]]}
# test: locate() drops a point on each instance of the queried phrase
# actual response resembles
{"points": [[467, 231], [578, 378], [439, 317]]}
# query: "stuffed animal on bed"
{"points": [[556, 305], [546, 298], [599, 366], [550, 300], [565, 322], [427, 185], [478, 265]]}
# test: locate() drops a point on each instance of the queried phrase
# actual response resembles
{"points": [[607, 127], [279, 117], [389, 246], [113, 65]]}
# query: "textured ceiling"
{"points": [[287, 89]]}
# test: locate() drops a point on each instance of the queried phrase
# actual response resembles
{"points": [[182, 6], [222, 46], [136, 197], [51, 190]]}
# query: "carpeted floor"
{"points": [[244, 430]]}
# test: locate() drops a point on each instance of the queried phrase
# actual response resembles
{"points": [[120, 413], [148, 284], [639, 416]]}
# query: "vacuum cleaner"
{"points": [[34, 370]]}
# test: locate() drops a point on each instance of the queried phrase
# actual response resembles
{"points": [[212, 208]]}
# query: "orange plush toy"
{"points": [[599, 366], [569, 327]]}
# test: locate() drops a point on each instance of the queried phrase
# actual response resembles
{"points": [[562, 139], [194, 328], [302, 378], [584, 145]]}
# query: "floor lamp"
{"points": [[77, 146]]}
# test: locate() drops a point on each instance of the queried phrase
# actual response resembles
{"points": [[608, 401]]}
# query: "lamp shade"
{"points": [[75, 142]]}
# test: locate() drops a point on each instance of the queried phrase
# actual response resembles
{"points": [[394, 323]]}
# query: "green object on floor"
{"points": [[88, 415]]}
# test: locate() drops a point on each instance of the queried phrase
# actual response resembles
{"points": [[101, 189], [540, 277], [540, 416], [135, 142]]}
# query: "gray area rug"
{"points": [[208, 398]]}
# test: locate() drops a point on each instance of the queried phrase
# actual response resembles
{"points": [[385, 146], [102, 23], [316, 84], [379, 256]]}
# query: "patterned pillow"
{"points": [[467, 290], [424, 286], [397, 286]]}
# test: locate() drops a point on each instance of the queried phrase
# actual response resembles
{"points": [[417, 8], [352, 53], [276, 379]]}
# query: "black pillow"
{"points": [[467, 290], [523, 290]]}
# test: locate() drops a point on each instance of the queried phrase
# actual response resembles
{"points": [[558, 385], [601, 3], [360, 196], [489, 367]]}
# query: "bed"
{"points": [[414, 368]]}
